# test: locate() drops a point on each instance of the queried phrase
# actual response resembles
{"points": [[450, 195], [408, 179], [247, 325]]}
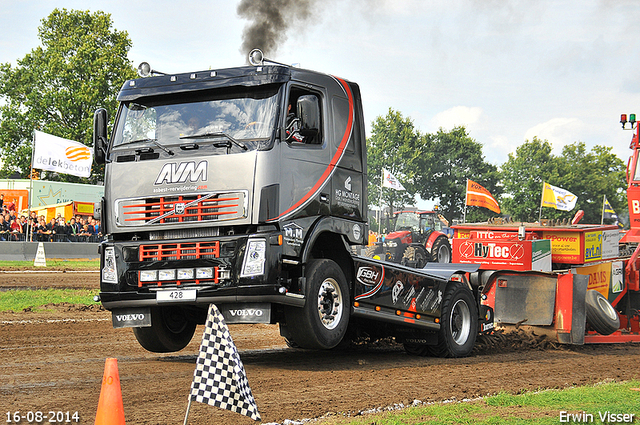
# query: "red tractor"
{"points": [[418, 238]]}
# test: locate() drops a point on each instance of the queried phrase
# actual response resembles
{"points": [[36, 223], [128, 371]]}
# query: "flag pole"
{"points": [[29, 224], [541, 200], [380, 203], [604, 201], [466, 199], [186, 416]]}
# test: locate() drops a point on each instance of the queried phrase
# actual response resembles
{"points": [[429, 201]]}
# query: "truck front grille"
{"points": [[196, 208], [180, 251]]}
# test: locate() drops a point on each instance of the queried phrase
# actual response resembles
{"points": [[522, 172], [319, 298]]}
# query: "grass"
{"points": [[38, 300], [52, 263], [542, 407]]}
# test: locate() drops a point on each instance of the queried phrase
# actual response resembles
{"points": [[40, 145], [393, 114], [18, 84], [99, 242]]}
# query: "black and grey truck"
{"points": [[247, 188]]}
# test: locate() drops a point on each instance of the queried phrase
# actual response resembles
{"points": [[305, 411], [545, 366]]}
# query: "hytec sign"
{"points": [[498, 250], [575, 244], [503, 254]]}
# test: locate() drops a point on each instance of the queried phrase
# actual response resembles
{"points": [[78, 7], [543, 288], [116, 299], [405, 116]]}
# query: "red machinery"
{"points": [[583, 292], [418, 237]]}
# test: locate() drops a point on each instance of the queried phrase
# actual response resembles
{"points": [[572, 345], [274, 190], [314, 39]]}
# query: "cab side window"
{"points": [[304, 117]]}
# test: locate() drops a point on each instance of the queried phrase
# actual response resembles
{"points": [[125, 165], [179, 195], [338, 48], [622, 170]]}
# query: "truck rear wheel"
{"points": [[171, 330], [441, 250], [458, 322], [601, 315], [323, 321]]}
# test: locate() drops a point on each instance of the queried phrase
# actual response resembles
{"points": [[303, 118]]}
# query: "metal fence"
{"points": [[39, 237]]}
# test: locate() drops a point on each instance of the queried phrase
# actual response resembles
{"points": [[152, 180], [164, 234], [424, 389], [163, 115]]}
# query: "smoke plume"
{"points": [[269, 21]]}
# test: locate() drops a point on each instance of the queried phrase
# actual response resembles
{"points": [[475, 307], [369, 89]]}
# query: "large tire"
{"points": [[374, 251], [415, 349], [601, 315], [171, 330], [458, 322], [415, 256], [441, 250], [322, 322]]}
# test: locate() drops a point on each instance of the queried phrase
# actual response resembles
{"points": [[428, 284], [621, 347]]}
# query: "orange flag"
{"points": [[480, 197]]}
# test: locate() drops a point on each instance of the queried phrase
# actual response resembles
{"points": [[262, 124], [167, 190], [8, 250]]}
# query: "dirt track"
{"points": [[55, 361]]}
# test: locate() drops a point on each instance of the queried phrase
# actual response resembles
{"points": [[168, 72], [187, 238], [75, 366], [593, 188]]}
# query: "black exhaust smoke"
{"points": [[269, 21]]}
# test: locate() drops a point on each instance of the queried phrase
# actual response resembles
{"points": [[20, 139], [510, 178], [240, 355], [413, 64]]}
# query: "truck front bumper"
{"points": [[225, 269]]}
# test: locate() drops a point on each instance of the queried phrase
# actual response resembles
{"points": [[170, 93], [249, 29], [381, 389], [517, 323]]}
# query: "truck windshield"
{"points": [[249, 117]]}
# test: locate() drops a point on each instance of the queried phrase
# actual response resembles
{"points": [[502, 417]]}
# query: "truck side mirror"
{"points": [[100, 140], [309, 114]]}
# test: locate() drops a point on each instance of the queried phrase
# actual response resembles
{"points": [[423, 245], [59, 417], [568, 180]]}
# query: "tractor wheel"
{"points": [[441, 250], [415, 256], [170, 330], [415, 349], [374, 252], [601, 315], [322, 322], [458, 322]]}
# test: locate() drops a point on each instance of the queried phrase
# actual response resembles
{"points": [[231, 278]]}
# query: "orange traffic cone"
{"points": [[110, 409]]}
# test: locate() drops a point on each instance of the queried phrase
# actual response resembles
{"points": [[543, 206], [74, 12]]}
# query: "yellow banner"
{"points": [[592, 246], [565, 246], [599, 277]]}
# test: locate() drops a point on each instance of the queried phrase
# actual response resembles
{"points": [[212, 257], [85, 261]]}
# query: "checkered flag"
{"points": [[219, 379]]}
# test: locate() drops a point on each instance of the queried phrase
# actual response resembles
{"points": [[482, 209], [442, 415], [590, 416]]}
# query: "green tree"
{"points": [[391, 146], [79, 67], [441, 169], [589, 176], [522, 177]]}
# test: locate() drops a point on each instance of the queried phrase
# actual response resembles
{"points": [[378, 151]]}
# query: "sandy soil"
{"points": [[54, 360]]}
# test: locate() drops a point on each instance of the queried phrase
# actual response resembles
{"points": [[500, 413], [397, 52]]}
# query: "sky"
{"points": [[508, 70]]}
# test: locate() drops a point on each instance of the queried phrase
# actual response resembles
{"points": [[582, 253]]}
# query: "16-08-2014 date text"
{"points": [[36, 416]]}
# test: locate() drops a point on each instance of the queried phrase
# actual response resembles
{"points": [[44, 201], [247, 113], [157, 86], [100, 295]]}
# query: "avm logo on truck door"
{"points": [[182, 172]]}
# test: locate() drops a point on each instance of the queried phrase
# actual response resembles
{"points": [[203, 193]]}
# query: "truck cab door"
{"points": [[306, 153]]}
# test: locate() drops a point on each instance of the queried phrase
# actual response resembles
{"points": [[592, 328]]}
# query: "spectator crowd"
{"points": [[21, 227]]}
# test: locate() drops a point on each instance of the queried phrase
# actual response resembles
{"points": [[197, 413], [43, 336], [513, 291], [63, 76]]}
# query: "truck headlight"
{"points": [[110, 271], [185, 274], [148, 275], [167, 274], [204, 273], [254, 258]]}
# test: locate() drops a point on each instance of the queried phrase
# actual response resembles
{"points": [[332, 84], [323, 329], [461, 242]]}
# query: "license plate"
{"points": [[174, 295]]}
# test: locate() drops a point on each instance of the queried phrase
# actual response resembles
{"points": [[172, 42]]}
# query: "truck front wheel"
{"points": [[322, 322], [170, 330], [458, 324]]}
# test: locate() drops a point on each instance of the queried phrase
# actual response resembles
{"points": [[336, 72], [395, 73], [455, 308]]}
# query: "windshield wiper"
{"points": [[213, 135], [154, 141]]}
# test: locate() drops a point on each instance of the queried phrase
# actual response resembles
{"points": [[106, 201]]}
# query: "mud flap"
{"points": [[525, 299], [485, 319], [571, 315], [134, 317], [246, 313]]}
